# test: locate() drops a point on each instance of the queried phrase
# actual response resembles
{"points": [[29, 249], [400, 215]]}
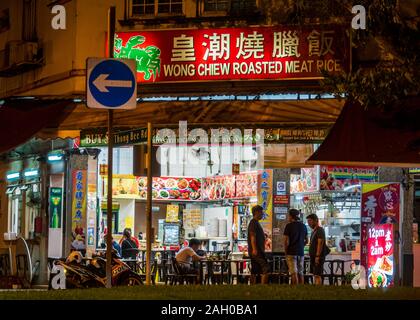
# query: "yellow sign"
{"points": [[172, 212]]}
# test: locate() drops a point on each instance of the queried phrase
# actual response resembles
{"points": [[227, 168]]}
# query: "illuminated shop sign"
{"points": [[253, 53]]}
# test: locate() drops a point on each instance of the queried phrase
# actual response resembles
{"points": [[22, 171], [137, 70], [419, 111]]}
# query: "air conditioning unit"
{"points": [[19, 56], [21, 52]]}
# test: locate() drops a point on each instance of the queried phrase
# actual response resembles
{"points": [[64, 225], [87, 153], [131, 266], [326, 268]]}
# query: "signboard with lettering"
{"points": [[79, 178], [285, 134], [265, 199], [380, 207], [380, 256], [277, 53]]}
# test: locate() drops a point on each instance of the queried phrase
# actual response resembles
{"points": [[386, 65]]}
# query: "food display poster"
{"points": [[265, 200], [243, 185], [380, 256], [219, 187], [171, 188], [338, 178], [172, 212], [307, 181], [380, 205]]}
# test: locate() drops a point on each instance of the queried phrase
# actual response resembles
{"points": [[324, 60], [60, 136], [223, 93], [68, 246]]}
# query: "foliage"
{"points": [[392, 32]]}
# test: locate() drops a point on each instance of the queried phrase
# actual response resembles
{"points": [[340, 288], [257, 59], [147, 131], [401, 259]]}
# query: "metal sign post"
{"points": [[110, 84], [111, 32], [149, 234]]}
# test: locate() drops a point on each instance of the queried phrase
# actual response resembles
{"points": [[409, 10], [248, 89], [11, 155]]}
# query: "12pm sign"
{"points": [[276, 53]]}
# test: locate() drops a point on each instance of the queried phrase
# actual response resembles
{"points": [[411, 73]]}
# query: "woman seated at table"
{"points": [[187, 255], [129, 248]]}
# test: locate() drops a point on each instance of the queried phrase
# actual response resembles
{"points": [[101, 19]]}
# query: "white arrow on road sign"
{"points": [[102, 82], [111, 83]]}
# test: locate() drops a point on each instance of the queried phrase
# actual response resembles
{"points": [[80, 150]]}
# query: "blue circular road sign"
{"points": [[112, 83]]}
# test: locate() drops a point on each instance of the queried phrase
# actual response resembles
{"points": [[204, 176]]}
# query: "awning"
{"points": [[382, 137], [20, 119], [208, 112]]}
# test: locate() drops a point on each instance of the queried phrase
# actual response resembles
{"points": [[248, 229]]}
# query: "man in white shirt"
{"points": [[187, 255]]}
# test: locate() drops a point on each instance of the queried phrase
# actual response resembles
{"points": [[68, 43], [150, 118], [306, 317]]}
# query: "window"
{"points": [[143, 7], [216, 5], [156, 7]]}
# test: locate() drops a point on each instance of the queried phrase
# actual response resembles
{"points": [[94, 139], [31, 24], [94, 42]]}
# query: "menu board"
{"points": [[171, 188], [192, 218], [339, 178], [380, 256], [218, 187], [246, 185], [305, 182], [171, 234], [172, 212]]}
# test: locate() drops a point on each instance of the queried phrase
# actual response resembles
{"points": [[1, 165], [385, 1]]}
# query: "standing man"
{"points": [[317, 248], [256, 247], [295, 239]]}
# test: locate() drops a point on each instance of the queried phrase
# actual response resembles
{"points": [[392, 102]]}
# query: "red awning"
{"points": [[382, 137], [20, 119]]}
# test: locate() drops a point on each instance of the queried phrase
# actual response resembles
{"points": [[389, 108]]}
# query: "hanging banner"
{"points": [[380, 205], [339, 178], [265, 199], [55, 210], [380, 257], [79, 178], [275, 52]]}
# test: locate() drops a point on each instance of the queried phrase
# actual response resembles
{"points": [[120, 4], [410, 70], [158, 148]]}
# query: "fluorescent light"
{"points": [[31, 173], [55, 157], [13, 176]]}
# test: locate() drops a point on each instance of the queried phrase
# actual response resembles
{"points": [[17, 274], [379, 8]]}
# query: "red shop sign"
{"points": [[282, 199], [276, 53]]}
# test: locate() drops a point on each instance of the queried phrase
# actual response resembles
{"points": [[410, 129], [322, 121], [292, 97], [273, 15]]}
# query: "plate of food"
{"points": [[142, 182], [170, 183], [377, 279], [155, 194], [385, 264], [164, 194], [195, 195], [174, 194], [182, 184], [143, 193]]}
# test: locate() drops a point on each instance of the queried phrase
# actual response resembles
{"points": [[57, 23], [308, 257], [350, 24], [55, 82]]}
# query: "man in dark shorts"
{"points": [[295, 239], [256, 247], [317, 248]]}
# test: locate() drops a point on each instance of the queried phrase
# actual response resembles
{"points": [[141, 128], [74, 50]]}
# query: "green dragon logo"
{"points": [[148, 59]]}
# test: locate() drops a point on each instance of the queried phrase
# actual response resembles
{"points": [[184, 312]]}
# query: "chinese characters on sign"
{"points": [[380, 256], [79, 202], [380, 210], [235, 53], [265, 200]]}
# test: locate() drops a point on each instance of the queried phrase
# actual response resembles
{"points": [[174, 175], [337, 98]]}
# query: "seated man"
{"points": [[187, 255]]}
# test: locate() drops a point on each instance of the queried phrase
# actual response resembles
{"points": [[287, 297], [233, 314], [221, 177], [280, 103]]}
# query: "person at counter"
{"points": [[295, 239], [187, 255], [317, 248], [256, 247]]}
